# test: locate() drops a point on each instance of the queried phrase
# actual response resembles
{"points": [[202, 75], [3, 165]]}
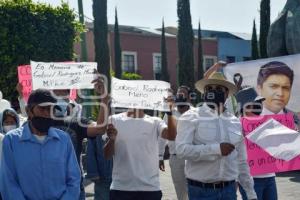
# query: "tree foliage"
{"points": [[100, 40], [33, 31], [185, 42], [254, 44], [164, 57], [200, 54], [118, 50], [264, 27]]}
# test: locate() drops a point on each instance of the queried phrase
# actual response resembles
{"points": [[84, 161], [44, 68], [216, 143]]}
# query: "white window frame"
{"points": [[215, 58], [134, 53], [153, 60]]}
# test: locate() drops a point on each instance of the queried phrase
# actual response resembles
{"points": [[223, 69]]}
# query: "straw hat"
{"points": [[216, 78]]}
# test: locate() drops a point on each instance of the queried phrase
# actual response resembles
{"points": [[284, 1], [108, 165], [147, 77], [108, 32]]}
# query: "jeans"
{"points": [[101, 188], [82, 195], [97, 165], [265, 188], [200, 193]]}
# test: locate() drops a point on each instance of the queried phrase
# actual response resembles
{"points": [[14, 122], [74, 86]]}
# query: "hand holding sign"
{"points": [[100, 86], [170, 100], [111, 132], [226, 148], [19, 89]]}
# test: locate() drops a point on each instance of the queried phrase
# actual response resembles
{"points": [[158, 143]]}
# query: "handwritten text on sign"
{"points": [[260, 162], [24, 76], [139, 94], [62, 75]]}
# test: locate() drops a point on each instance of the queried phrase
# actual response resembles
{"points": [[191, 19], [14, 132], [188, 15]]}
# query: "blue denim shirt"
{"points": [[39, 170]]}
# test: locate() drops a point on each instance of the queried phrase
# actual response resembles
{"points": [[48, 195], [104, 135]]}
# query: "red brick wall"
{"points": [[145, 46]]}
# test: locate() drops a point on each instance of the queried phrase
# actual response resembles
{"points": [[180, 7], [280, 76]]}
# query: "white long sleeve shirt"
{"points": [[199, 134], [171, 144]]}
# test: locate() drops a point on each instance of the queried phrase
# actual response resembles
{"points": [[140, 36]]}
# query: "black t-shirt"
{"points": [[77, 129]]}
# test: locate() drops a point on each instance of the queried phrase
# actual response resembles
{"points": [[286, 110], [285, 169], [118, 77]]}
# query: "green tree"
{"points": [[33, 31], [254, 45], [185, 43], [164, 57], [118, 50], [100, 39], [264, 27], [200, 54]]}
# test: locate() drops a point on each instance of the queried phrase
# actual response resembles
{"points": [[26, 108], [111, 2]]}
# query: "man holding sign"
{"points": [[39, 161], [210, 140], [274, 83], [133, 145], [78, 128]]}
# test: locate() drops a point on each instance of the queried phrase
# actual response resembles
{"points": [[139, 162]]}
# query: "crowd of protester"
{"points": [[41, 154]]}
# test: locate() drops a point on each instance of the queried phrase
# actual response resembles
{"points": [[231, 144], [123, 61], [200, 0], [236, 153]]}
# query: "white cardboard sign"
{"points": [[142, 94], [53, 75]]}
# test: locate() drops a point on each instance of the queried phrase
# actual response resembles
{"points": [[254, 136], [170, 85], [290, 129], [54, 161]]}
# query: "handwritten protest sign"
{"points": [[139, 94], [24, 76], [260, 162], [62, 75]]}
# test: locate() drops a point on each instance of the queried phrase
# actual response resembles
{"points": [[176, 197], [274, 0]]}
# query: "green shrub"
{"points": [[131, 76], [33, 31]]}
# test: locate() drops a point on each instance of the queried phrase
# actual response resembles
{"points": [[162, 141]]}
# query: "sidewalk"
{"points": [[288, 185]]}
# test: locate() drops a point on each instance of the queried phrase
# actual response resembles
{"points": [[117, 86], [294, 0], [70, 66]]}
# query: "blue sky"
{"points": [[224, 15]]}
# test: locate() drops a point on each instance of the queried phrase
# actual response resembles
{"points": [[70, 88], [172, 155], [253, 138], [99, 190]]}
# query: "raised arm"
{"points": [[170, 132], [102, 118], [214, 68]]}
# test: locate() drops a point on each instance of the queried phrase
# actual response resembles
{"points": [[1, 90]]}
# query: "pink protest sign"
{"points": [[25, 79], [261, 162], [24, 76]]}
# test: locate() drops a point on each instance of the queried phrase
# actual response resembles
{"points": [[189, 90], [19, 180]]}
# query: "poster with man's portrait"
{"points": [[276, 79], [272, 138]]}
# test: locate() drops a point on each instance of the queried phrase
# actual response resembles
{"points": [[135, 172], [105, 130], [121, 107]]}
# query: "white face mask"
{"points": [[9, 128]]}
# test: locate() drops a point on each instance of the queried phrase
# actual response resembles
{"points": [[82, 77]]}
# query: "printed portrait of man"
{"points": [[274, 83]]}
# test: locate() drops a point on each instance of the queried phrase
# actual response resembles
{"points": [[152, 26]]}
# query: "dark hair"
{"points": [[10, 113], [188, 89], [274, 67]]}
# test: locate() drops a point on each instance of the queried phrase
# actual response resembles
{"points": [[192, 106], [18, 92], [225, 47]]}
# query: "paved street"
{"points": [[288, 185]]}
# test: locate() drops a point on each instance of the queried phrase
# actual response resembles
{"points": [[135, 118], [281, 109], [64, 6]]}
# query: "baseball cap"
{"points": [[41, 97], [248, 95]]}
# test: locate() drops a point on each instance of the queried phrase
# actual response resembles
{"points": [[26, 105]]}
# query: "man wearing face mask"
{"points": [[210, 140], [39, 161], [181, 104], [68, 118]]}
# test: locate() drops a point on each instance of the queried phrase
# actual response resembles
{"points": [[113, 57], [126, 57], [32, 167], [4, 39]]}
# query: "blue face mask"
{"points": [[61, 108]]}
